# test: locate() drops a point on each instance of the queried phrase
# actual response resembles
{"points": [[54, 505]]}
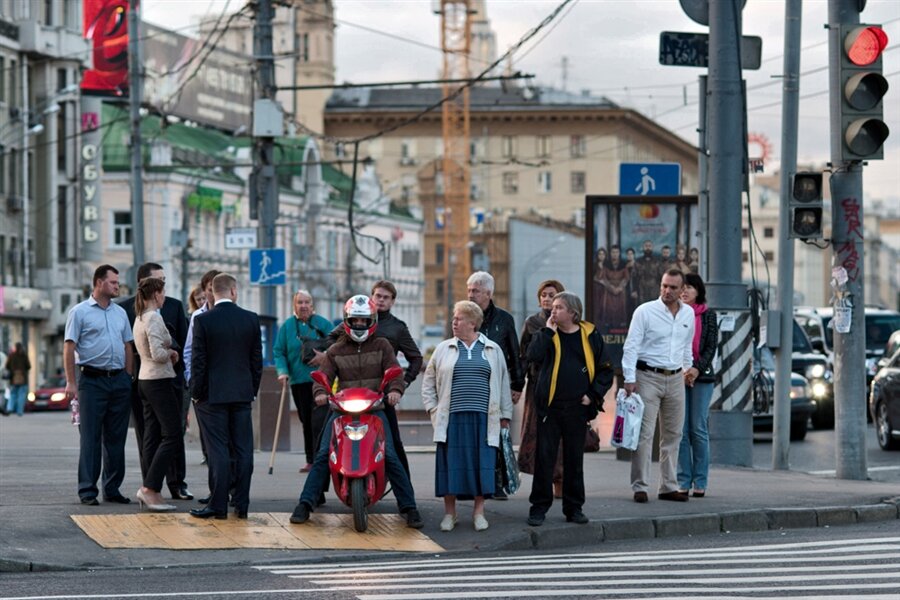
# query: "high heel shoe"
{"points": [[142, 501]]}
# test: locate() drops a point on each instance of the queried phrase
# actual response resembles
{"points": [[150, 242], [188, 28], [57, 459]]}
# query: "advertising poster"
{"points": [[630, 243], [105, 24]]}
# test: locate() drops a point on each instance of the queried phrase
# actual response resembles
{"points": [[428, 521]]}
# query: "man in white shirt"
{"points": [[656, 356]]}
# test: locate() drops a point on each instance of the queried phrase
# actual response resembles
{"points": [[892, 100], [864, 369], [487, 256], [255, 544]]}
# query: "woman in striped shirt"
{"points": [[466, 392]]}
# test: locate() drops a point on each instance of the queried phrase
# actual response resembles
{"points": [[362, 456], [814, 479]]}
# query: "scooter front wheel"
{"points": [[358, 502]]}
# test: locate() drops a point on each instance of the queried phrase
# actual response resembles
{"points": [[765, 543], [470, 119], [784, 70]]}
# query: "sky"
{"points": [[612, 49]]}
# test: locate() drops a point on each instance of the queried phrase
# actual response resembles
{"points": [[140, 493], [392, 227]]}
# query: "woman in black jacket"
{"points": [[575, 374], [700, 379]]}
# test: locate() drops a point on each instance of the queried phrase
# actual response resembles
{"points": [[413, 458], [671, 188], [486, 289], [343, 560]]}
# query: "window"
{"points": [[508, 149], [769, 255], [545, 184], [577, 146], [510, 183], [304, 47], [745, 232], [73, 20], [578, 182], [13, 172], [2, 170], [542, 146], [121, 233], [13, 69], [3, 280], [745, 257], [409, 258], [439, 289], [62, 77], [62, 222], [769, 232], [48, 12], [438, 254], [2, 79], [61, 139]]}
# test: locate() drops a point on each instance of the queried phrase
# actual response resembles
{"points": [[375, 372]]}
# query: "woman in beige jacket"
{"points": [[156, 385]]}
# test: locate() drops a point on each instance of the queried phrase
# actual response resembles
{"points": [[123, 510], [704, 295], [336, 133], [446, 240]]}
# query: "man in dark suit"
{"points": [[226, 369], [173, 315]]}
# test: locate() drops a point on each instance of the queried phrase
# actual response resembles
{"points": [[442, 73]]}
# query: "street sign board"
{"points": [[268, 266], [240, 238], [684, 49], [649, 179]]}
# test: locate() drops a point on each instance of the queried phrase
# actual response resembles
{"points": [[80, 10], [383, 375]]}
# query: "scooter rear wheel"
{"points": [[358, 502]]}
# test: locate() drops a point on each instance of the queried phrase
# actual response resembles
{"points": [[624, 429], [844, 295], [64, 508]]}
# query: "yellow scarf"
{"points": [[586, 330]]}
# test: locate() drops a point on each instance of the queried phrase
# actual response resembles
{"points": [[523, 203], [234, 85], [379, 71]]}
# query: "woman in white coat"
{"points": [[466, 393]]}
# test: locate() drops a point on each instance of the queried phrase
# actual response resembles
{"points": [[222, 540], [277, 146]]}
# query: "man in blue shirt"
{"points": [[98, 361]]}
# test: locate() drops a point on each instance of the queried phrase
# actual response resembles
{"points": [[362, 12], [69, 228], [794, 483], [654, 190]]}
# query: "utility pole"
{"points": [[268, 123], [26, 180], [790, 93], [703, 176], [135, 91], [725, 105], [847, 242]]}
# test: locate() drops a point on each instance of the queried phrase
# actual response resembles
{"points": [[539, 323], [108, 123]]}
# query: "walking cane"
{"points": [[278, 425]]}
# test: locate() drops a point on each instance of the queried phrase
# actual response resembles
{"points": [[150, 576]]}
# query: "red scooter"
{"points": [[357, 453]]}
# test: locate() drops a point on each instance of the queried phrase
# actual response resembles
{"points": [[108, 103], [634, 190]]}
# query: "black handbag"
{"points": [[309, 346]]}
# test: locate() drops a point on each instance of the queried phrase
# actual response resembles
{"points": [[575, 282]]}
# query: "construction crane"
{"points": [[456, 29]]}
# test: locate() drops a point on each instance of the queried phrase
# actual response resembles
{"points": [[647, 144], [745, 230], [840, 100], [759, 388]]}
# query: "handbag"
{"points": [[591, 440], [627, 424], [309, 346], [510, 470]]}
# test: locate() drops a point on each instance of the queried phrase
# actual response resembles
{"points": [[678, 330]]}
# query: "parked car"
{"points": [[50, 396], [884, 403], [763, 389]]}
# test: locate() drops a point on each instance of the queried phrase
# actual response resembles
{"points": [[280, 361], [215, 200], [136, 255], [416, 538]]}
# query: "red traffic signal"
{"points": [[865, 44]]}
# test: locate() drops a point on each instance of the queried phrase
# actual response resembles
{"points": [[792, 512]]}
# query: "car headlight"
{"points": [[58, 397], [798, 391], [31, 396], [815, 372], [819, 390], [356, 433]]}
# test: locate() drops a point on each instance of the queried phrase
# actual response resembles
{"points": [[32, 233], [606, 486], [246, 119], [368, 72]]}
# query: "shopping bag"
{"points": [[627, 424], [511, 480]]}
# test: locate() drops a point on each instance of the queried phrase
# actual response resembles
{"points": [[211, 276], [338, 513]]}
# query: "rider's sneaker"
{"points": [[301, 513], [414, 519]]}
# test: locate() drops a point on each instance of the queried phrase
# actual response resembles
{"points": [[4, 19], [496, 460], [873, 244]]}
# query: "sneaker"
{"points": [[448, 522], [499, 494], [535, 519], [300, 514], [577, 517], [414, 519], [480, 523]]}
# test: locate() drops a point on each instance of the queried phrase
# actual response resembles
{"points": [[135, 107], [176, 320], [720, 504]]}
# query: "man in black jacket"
{"points": [[175, 318], [499, 327]]}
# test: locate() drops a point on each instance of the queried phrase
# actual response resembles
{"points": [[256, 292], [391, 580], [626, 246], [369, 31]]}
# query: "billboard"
{"points": [[631, 241], [105, 24]]}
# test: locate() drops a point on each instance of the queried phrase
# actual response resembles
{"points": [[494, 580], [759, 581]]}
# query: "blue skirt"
{"points": [[464, 464]]}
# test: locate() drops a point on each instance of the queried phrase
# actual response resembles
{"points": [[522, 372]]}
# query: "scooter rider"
{"points": [[358, 359]]}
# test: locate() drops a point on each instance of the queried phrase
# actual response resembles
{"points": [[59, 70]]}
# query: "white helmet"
{"points": [[360, 307]]}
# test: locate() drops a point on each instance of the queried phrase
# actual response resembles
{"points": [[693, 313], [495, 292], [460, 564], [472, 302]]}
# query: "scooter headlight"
{"points": [[354, 406], [356, 433]]}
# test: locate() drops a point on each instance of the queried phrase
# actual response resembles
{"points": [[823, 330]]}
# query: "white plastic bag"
{"points": [[627, 424]]}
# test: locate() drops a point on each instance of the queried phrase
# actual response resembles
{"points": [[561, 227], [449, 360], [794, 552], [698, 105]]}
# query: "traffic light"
{"points": [[806, 206], [863, 130]]}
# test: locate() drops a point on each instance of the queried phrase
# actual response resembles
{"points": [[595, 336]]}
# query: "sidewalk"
{"points": [[38, 459]]}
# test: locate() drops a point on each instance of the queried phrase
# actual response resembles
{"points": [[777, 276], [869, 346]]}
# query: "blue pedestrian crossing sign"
{"points": [[268, 266], [649, 179]]}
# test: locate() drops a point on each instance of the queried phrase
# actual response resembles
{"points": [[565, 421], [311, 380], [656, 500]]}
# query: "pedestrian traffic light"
{"points": [[863, 130], [806, 206]]}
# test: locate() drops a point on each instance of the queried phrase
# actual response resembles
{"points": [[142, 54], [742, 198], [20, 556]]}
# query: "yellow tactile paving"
{"points": [[262, 530]]}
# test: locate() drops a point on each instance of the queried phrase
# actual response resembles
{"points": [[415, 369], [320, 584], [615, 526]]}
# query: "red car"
{"points": [[50, 396]]}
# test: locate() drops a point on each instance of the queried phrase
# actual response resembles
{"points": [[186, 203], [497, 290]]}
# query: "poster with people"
{"points": [[630, 243]]}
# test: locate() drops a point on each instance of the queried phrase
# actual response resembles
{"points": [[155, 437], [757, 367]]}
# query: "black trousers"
{"points": [[163, 435], [104, 408], [312, 417], [391, 414], [568, 422], [175, 477], [228, 430]]}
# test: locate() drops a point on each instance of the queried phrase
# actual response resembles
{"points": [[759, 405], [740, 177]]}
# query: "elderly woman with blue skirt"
{"points": [[467, 395]]}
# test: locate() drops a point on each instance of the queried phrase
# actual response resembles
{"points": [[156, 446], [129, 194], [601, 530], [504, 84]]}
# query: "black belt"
{"points": [[92, 372], [642, 366]]}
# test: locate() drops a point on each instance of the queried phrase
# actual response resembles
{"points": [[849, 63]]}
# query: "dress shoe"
{"points": [[204, 499], [181, 494], [306, 468], [698, 493], [321, 500], [641, 497], [414, 519], [240, 514], [208, 513], [499, 494], [118, 499], [152, 506], [577, 517], [673, 496], [300, 514], [535, 519], [90, 501]]}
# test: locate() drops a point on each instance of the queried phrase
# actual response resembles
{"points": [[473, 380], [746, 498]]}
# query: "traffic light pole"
{"points": [[135, 91], [847, 245], [781, 428]]}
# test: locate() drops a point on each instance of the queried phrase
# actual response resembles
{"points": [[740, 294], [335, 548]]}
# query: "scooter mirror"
{"points": [[391, 374], [320, 378]]}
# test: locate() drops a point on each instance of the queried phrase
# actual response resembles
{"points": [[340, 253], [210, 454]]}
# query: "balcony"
{"points": [[55, 42]]}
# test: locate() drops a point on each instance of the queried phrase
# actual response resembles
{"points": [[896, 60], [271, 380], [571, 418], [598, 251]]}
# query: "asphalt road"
{"points": [[853, 562]]}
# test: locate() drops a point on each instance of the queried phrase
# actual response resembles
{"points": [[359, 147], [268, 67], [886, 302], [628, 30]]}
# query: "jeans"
{"points": [[693, 454], [17, 399], [317, 478]]}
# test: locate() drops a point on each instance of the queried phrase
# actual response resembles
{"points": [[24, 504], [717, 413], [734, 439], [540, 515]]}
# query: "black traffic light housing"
{"points": [[863, 130], [806, 206]]}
